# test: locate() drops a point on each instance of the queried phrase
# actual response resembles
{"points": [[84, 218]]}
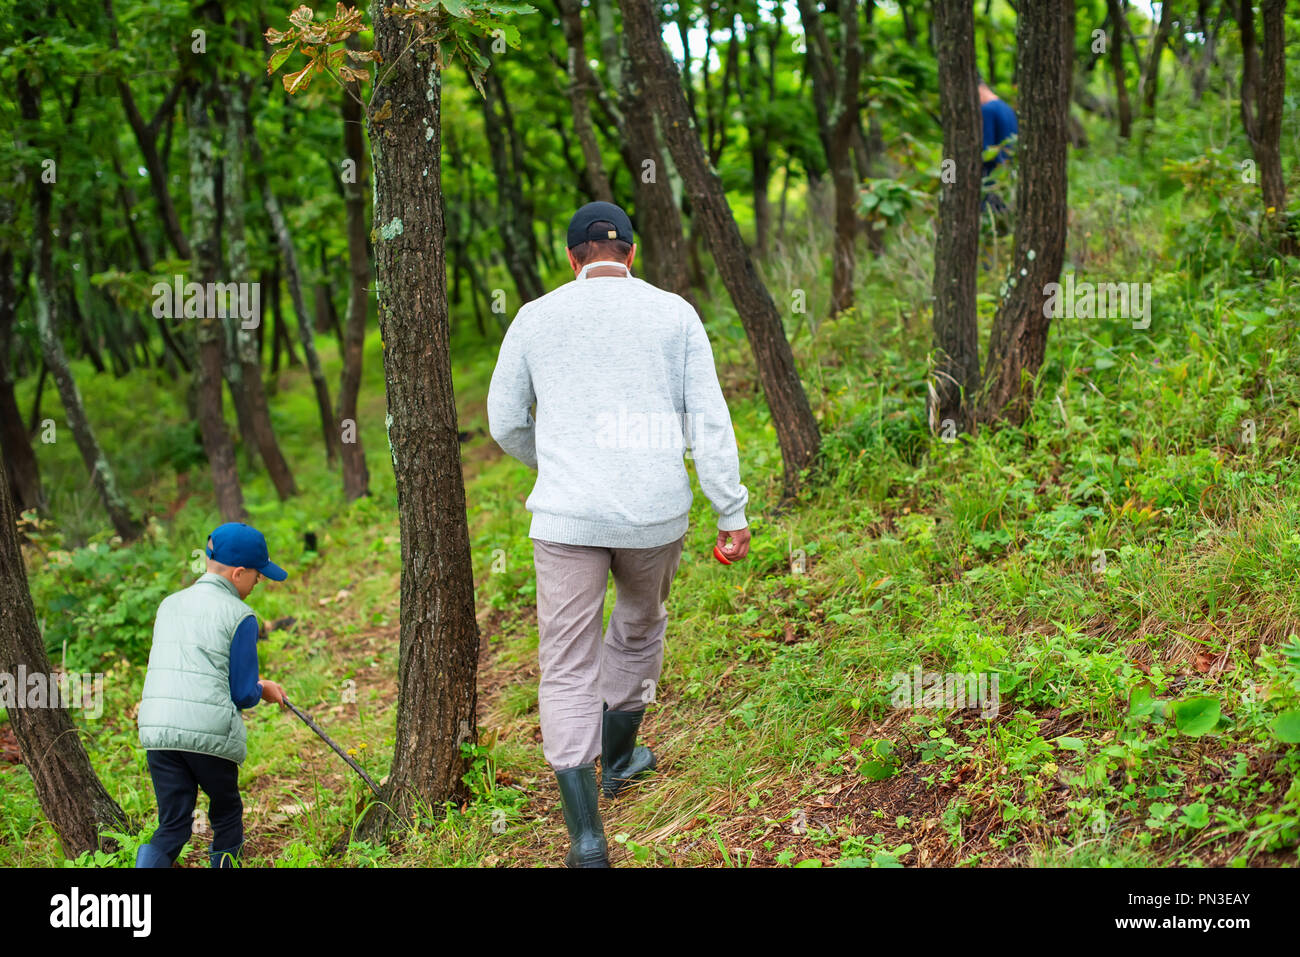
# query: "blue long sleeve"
{"points": [[1000, 125], [245, 689]]}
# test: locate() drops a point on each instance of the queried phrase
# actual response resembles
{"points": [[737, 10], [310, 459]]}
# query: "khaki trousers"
{"points": [[580, 672]]}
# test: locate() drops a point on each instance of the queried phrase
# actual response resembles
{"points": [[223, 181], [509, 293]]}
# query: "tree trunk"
{"points": [[246, 353], [661, 240], [146, 136], [796, 428], [1263, 88], [211, 333], [438, 652], [514, 209], [1115, 49], [283, 239], [1019, 337], [844, 122], [835, 90], [758, 99], [581, 86], [956, 250], [356, 477], [1151, 75], [1201, 71], [47, 325], [70, 793], [15, 443]]}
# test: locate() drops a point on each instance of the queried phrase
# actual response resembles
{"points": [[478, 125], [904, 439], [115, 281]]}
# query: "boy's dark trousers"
{"points": [[177, 777]]}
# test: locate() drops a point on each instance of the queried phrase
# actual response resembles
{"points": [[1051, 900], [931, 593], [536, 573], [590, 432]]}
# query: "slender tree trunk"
{"points": [[231, 214], [47, 325], [1263, 88], [356, 477], [211, 333], [1115, 49], [1019, 337], [1201, 71], [956, 251], [284, 240], [15, 443], [792, 417], [990, 54], [844, 123], [581, 86], [514, 209], [146, 136], [1151, 75], [757, 100], [438, 654], [835, 92], [661, 240], [246, 355], [70, 793]]}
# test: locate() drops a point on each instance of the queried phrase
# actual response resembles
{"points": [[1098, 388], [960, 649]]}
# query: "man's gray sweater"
{"points": [[623, 377]]}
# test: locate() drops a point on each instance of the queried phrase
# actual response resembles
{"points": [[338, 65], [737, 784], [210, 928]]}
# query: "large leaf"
{"points": [[1196, 716], [1286, 727]]}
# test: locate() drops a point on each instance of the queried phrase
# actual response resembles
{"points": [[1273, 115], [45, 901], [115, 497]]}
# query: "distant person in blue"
{"points": [[999, 126]]}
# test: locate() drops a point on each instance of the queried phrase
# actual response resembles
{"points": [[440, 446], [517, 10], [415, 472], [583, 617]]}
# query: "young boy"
{"points": [[202, 670]]}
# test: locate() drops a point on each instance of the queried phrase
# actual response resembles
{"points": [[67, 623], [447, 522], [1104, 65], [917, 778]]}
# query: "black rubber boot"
{"points": [[621, 758], [587, 845]]}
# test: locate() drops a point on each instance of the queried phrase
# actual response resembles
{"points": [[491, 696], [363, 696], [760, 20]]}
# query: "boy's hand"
{"points": [[272, 692]]}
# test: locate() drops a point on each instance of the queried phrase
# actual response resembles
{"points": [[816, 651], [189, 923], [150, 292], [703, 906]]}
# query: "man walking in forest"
{"points": [[202, 671], [616, 366]]}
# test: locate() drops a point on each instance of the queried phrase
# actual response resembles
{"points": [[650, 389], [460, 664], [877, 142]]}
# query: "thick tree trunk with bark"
{"points": [[796, 428], [206, 243], [47, 325], [356, 477], [70, 793], [1115, 50], [1019, 337], [438, 654], [956, 251]]}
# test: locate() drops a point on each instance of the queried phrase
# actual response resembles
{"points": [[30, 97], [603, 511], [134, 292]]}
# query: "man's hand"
{"points": [[735, 545], [272, 692]]}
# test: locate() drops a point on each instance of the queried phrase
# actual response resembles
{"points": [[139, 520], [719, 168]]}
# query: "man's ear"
{"points": [[573, 263], [631, 254]]}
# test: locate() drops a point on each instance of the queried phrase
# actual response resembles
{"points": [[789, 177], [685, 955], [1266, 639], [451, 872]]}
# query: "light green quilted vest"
{"points": [[186, 704]]}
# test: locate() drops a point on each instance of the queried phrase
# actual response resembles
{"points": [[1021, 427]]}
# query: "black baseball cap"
{"points": [[599, 221]]}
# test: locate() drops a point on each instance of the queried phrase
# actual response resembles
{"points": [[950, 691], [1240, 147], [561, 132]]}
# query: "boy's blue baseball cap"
{"points": [[242, 546]]}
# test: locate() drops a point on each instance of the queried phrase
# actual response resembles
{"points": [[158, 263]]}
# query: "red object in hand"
{"points": [[718, 554]]}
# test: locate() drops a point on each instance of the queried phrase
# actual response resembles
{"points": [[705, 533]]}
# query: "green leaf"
{"points": [[1196, 716], [1070, 744], [1286, 727], [279, 56], [877, 770]]}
